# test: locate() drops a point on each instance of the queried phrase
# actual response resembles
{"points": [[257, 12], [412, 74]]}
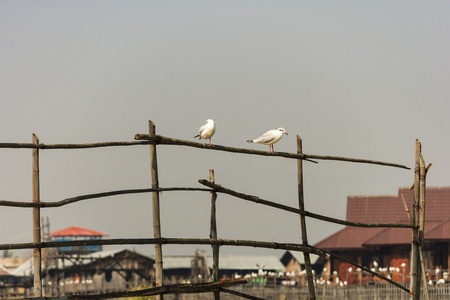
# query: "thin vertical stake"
{"points": [[422, 201], [213, 235], [36, 221], [414, 285], [301, 204], [156, 210]]}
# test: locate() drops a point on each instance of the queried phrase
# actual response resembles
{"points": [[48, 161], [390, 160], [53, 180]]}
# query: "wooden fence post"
{"points": [[156, 211], [422, 202], [419, 202], [301, 203], [213, 235], [36, 221], [414, 285]]}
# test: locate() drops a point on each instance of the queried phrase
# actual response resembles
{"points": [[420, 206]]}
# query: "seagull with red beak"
{"points": [[269, 138]]}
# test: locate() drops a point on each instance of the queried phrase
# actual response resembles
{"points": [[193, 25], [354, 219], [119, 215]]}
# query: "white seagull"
{"points": [[269, 138], [206, 131]]}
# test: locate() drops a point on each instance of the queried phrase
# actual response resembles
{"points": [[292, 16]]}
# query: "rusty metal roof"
{"points": [[390, 209]]}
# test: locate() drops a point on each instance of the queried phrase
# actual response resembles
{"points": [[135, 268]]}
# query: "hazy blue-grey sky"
{"points": [[353, 78]]}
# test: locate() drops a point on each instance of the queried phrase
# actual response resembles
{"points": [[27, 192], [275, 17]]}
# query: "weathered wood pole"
{"points": [[213, 236], [422, 201], [301, 204], [414, 285], [36, 220], [155, 207]]}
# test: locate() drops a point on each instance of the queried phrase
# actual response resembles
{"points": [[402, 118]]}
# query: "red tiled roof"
{"points": [[390, 236], [390, 209], [440, 231], [77, 231], [438, 202], [347, 238], [374, 209]]}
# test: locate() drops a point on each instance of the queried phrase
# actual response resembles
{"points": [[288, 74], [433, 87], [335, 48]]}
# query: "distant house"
{"points": [[64, 273], [294, 262], [75, 233], [13, 282], [102, 271], [11, 285], [391, 247], [86, 268]]}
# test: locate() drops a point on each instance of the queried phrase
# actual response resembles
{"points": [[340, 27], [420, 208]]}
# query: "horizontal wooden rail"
{"points": [[71, 146], [96, 195], [192, 288], [158, 139], [145, 139], [242, 295], [215, 187], [165, 241], [220, 189]]}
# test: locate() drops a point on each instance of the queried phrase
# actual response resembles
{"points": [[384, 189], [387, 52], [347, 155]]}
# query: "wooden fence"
{"points": [[216, 286]]}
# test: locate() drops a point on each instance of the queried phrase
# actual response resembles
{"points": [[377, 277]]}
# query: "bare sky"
{"points": [[353, 78]]}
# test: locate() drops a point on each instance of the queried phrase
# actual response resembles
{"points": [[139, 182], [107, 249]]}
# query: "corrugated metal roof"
{"points": [[227, 262], [77, 231], [177, 262], [390, 209], [248, 262]]}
